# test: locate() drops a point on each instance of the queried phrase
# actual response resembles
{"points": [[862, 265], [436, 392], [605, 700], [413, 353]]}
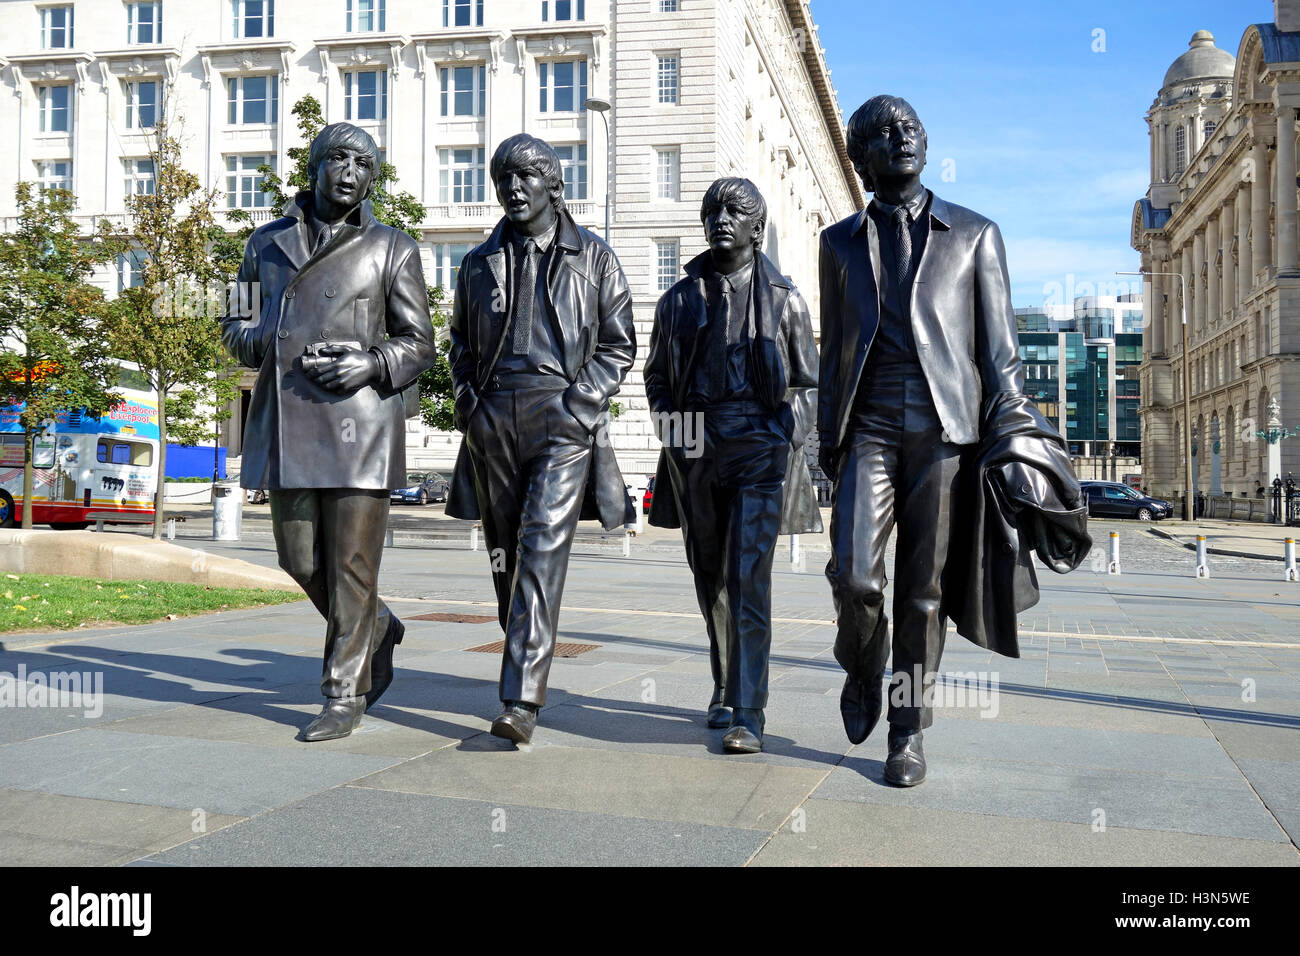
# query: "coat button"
{"points": [[283, 333], [944, 436], [1024, 489], [329, 293], [324, 333], [1006, 546], [290, 293]]}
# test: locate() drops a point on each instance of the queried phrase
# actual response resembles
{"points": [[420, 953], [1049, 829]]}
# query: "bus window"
{"points": [[101, 451], [121, 453], [141, 453]]}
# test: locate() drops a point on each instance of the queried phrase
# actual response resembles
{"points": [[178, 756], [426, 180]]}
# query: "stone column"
{"points": [[1243, 242], [1285, 190], [1261, 250], [1212, 302], [1156, 320], [1197, 315], [1227, 227]]}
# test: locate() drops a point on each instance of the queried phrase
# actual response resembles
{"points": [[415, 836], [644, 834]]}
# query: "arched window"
{"points": [[1209, 130], [1180, 150]]}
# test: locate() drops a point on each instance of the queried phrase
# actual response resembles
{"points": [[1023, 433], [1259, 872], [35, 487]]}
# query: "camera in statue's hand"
{"points": [[340, 366]]}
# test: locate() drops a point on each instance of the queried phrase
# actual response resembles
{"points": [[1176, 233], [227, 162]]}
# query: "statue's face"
{"points": [[729, 229], [523, 195], [344, 176], [897, 149]]}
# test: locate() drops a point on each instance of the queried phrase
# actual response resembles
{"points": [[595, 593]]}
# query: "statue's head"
{"points": [[734, 216], [886, 141], [527, 177], [342, 164]]}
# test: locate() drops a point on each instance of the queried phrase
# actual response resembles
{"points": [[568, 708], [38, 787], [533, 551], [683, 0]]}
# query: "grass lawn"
{"points": [[40, 602]]}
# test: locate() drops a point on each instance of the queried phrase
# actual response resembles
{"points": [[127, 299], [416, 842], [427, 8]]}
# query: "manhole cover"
{"points": [[448, 618], [561, 650]]}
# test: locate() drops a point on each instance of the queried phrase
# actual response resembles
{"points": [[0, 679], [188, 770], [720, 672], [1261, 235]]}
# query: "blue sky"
{"points": [[1046, 137]]}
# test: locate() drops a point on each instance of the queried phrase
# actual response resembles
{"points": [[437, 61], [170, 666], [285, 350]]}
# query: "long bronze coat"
{"points": [[783, 360], [588, 297], [366, 286]]}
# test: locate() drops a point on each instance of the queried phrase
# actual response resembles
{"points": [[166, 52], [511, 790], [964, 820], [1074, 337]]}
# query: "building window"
{"points": [[253, 100], [55, 174], [1209, 130], [144, 22], [667, 6], [140, 179], [462, 175], [244, 182], [573, 163], [56, 28], [667, 173], [142, 104], [253, 18], [563, 86], [365, 95], [667, 264], [130, 271], [462, 13], [463, 90], [56, 108], [447, 257], [668, 79], [564, 10], [366, 16], [1180, 149]]}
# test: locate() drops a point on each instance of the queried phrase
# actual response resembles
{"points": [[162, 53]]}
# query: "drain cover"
{"points": [[447, 618], [561, 650]]}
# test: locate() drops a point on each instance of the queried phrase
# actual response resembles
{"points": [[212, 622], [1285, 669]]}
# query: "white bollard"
{"points": [[171, 529], [796, 553], [227, 515], [1202, 562], [1113, 566], [638, 505], [1289, 551], [627, 544], [473, 538], [388, 538]]}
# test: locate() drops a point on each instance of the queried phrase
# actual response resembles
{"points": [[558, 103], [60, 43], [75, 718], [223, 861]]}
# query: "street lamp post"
{"points": [[1187, 392], [602, 107]]}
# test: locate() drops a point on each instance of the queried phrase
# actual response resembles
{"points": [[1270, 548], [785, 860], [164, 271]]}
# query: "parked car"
{"points": [[421, 488], [649, 493], [1111, 499]]}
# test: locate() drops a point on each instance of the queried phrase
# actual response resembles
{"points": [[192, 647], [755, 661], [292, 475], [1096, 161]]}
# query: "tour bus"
{"points": [[84, 466]]}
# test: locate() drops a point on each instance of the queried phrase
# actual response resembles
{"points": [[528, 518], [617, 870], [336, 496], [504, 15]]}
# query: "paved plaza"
{"points": [[1153, 718]]}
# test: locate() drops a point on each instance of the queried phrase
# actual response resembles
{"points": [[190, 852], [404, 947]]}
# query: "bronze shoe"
{"points": [[338, 718], [905, 765], [719, 715], [381, 664], [516, 722], [860, 706], [746, 733]]}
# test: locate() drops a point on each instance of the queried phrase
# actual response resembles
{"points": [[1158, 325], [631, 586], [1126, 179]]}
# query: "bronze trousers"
{"points": [[895, 469], [331, 540]]}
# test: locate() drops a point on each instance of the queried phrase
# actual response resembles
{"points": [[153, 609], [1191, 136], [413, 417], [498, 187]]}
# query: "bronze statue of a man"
{"points": [[923, 427], [541, 338], [344, 328], [732, 348]]}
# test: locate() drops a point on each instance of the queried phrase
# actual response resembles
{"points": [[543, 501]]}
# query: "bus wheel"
{"points": [[69, 525], [6, 510]]}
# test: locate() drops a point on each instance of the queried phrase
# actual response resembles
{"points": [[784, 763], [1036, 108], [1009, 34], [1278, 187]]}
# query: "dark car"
{"points": [[649, 493], [1110, 499], [421, 488]]}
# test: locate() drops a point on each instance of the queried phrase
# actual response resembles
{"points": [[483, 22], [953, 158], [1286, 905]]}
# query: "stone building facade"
{"points": [[1221, 217]]}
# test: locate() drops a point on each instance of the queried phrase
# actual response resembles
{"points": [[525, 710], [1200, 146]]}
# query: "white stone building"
{"points": [[699, 89], [1221, 216]]}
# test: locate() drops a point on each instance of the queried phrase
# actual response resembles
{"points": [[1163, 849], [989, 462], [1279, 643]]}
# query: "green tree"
{"points": [[168, 325], [401, 210], [53, 355]]}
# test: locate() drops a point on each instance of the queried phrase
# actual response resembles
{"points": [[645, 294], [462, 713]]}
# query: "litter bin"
{"points": [[227, 513]]}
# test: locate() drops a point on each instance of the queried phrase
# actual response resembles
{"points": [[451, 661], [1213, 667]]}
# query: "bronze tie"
{"points": [[524, 298], [903, 250]]}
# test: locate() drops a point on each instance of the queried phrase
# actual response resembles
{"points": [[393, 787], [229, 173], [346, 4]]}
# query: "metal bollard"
{"points": [[1113, 566], [627, 544], [1202, 562], [473, 538], [1291, 573], [388, 538], [171, 529], [795, 553]]}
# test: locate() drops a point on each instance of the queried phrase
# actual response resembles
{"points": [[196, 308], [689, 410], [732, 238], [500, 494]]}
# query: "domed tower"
{"points": [[1195, 97]]}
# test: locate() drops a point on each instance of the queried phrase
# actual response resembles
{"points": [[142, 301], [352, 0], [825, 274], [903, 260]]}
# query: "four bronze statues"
{"points": [[916, 398]]}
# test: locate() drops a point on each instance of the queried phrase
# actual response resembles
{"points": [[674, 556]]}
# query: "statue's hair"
{"points": [[522, 153], [746, 197], [870, 116], [341, 134]]}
